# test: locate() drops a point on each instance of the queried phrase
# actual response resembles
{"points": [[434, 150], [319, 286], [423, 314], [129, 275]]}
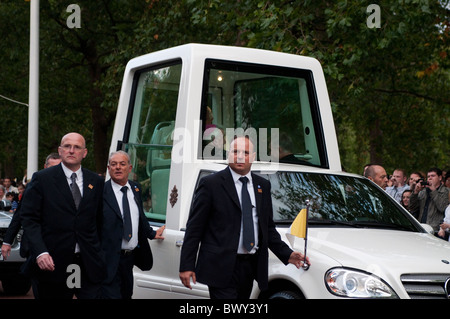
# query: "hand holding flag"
{"points": [[299, 228]]}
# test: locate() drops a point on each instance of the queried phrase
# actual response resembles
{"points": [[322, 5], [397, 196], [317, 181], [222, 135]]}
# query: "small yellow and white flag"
{"points": [[298, 227]]}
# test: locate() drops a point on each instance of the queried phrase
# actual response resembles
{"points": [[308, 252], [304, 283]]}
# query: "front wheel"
{"points": [[285, 295]]}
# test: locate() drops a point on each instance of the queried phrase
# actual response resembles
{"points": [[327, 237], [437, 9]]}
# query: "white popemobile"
{"points": [[178, 108]]}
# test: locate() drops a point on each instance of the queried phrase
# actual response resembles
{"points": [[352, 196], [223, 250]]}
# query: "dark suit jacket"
{"points": [[112, 232], [13, 230], [52, 223], [215, 223]]}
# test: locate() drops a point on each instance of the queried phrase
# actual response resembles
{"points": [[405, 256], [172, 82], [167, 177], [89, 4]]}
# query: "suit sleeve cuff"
{"points": [[44, 253]]}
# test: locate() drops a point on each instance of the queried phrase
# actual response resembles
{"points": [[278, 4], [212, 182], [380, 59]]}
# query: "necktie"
{"points": [[75, 190], [127, 232], [247, 216]]}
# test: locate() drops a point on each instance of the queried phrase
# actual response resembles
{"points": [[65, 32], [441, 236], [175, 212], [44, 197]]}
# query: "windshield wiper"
{"points": [[354, 224], [332, 222], [376, 224]]}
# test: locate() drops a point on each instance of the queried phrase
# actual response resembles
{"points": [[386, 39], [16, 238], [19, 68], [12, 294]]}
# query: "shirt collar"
{"points": [[116, 187], [236, 176], [68, 172]]}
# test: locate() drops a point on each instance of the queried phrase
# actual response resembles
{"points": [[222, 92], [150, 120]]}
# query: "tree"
{"points": [[86, 52], [389, 86], [13, 85]]}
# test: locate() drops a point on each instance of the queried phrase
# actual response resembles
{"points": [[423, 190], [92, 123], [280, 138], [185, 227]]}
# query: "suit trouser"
{"points": [[121, 287], [50, 289], [241, 283]]}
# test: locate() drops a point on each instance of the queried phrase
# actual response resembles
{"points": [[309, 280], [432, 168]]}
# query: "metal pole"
{"points": [[33, 98], [305, 265]]}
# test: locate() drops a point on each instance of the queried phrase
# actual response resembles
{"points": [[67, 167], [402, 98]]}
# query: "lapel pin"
{"points": [[90, 186], [259, 189]]}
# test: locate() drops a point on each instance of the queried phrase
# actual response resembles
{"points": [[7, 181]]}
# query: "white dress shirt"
{"points": [[251, 191], [134, 212], [68, 172]]}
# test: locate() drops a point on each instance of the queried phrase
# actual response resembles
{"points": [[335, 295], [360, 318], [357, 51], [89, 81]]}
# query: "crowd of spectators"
{"points": [[425, 195], [10, 194]]}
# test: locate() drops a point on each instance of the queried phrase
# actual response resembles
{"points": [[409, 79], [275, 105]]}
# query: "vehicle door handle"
{"points": [[179, 243]]}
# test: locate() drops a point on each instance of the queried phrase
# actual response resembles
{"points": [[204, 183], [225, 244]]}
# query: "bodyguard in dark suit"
{"points": [[125, 229], [15, 226], [62, 227], [233, 252]]}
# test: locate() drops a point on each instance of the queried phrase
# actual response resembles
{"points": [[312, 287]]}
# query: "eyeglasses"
{"points": [[68, 147]]}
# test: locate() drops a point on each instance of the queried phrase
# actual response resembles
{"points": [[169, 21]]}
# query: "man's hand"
{"points": [[159, 232], [45, 262], [445, 225], [298, 259], [186, 276], [6, 250], [418, 188]]}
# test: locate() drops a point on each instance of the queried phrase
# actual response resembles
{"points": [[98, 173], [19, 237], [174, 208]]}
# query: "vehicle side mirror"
{"points": [[428, 228]]}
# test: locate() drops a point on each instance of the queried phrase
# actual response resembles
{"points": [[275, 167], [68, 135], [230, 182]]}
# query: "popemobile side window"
{"points": [[155, 97]]}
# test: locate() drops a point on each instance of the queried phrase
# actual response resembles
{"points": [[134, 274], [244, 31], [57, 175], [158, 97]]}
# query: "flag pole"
{"points": [[305, 264]]}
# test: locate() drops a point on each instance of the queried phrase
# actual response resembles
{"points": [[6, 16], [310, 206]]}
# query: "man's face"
{"points": [[119, 168], [380, 177], [52, 162], [72, 150], [434, 179], [241, 155], [413, 178], [399, 178], [6, 182]]}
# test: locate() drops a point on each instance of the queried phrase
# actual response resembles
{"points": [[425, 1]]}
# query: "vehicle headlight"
{"points": [[356, 284]]}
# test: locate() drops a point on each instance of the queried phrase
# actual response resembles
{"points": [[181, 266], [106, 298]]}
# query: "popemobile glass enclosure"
{"points": [[276, 106]]}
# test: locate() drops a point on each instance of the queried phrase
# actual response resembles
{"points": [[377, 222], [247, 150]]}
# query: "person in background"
{"points": [[10, 197], [21, 189], [51, 160], [414, 177], [377, 174], [15, 225], [399, 184], [8, 186], [431, 198], [405, 199], [444, 228], [2, 192], [447, 180]]}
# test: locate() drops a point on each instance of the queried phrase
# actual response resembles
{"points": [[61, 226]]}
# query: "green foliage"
{"points": [[389, 86]]}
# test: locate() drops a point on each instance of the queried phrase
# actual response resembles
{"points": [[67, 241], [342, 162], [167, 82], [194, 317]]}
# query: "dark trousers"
{"points": [[241, 283], [121, 287], [46, 288]]}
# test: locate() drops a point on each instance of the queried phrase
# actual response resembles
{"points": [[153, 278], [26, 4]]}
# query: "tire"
{"points": [[285, 295]]}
